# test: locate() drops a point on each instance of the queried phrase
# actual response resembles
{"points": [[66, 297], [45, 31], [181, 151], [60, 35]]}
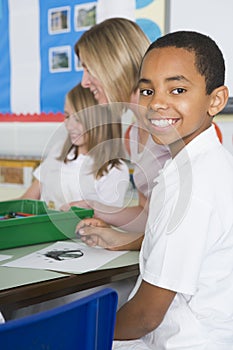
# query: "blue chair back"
{"points": [[85, 324]]}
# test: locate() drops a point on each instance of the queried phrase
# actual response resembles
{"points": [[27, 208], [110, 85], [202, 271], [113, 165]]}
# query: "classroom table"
{"points": [[20, 287]]}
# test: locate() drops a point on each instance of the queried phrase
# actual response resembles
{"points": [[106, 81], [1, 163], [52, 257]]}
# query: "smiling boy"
{"points": [[183, 297]]}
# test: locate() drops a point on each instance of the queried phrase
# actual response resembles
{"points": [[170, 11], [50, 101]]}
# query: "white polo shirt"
{"points": [[188, 247], [74, 181]]}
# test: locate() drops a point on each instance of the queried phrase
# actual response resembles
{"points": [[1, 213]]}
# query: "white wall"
{"points": [[31, 140], [211, 17]]}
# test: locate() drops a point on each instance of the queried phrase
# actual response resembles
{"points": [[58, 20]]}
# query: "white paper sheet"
{"points": [[66, 257], [4, 257]]}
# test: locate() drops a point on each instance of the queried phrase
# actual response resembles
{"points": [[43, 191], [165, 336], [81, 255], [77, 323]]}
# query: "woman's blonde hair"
{"points": [[112, 51], [103, 130]]}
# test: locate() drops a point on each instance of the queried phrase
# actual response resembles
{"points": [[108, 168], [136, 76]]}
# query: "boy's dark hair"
{"points": [[208, 57]]}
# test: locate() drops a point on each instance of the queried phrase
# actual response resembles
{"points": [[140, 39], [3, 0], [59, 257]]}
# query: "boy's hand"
{"points": [[91, 222], [96, 232]]}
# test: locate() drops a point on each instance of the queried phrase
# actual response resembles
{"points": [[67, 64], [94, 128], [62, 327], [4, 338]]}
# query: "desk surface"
{"points": [[24, 287]]}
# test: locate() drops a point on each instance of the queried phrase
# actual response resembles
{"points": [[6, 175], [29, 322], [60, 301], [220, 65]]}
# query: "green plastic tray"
{"points": [[45, 225]]}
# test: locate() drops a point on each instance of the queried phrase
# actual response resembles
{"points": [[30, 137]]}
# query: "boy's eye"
{"points": [[178, 91], [146, 92]]}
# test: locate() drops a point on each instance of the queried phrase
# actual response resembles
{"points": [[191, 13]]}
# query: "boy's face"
{"points": [[174, 96]]}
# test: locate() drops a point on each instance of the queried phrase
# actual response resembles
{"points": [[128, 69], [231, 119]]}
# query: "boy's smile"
{"points": [[174, 95]]}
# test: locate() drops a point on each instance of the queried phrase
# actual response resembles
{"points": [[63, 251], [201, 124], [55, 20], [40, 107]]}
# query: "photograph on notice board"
{"points": [[59, 20], [84, 16], [60, 59]]}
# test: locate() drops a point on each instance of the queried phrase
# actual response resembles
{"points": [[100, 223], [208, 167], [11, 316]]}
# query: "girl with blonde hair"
{"points": [[90, 163]]}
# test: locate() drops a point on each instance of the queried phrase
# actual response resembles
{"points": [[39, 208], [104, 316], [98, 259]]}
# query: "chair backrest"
{"points": [[127, 139], [218, 132], [85, 324]]}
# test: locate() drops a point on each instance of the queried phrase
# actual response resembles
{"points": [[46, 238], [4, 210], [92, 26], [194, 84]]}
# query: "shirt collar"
{"points": [[205, 141]]}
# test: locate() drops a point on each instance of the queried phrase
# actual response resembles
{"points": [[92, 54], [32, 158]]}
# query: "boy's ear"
{"points": [[219, 98]]}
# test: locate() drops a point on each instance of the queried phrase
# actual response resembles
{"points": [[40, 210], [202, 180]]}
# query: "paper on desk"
{"points": [[68, 257], [4, 257]]}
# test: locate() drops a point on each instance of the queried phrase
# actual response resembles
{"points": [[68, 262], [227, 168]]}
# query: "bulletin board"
{"points": [[38, 62]]}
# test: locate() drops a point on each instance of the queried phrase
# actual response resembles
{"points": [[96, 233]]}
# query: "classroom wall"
{"points": [[28, 84], [29, 140], [154, 16], [213, 18]]}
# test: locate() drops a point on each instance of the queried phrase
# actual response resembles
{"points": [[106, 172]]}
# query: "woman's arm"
{"points": [[33, 192], [132, 219]]}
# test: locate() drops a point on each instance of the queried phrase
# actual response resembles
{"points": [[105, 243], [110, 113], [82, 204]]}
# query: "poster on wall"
{"points": [[39, 64], [60, 28]]}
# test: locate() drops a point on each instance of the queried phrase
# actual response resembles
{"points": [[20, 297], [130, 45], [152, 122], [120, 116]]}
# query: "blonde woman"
{"points": [[90, 165], [111, 53]]}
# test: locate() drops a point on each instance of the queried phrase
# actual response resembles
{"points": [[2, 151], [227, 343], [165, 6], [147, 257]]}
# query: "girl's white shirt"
{"points": [[63, 183]]}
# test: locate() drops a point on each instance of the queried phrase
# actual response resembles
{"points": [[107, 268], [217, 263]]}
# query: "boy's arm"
{"points": [[143, 313]]}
